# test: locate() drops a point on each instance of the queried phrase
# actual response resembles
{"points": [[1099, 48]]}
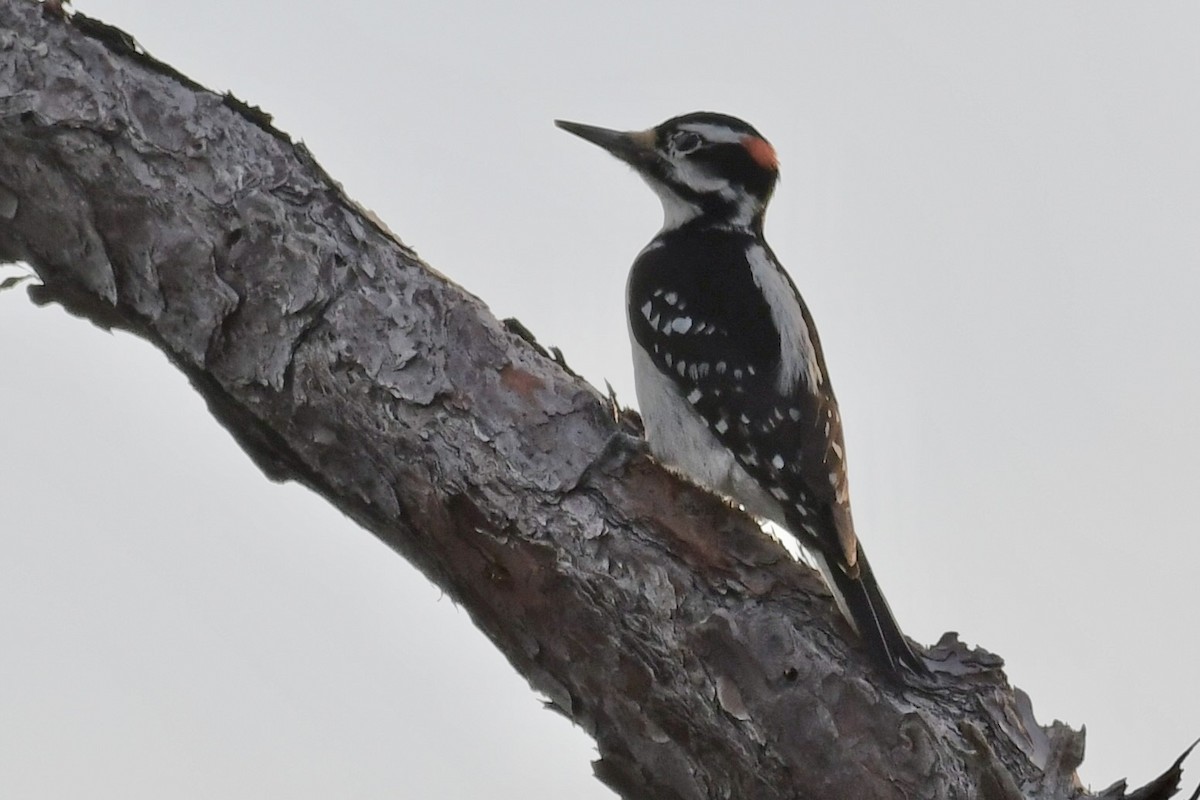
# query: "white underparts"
{"points": [[681, 439]]}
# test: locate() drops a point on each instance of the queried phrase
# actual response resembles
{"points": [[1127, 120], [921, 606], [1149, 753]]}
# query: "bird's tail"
{"points": [[863, 604]]}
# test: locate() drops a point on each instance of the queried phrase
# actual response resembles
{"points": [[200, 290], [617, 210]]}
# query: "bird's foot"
{"points": [[620, 449]]}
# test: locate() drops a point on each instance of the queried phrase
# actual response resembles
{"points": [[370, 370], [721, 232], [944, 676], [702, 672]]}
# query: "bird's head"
{"points": [[701, 165]]}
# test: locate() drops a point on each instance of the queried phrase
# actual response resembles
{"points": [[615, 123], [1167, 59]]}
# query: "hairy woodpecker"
{"points": [[728, 366]]}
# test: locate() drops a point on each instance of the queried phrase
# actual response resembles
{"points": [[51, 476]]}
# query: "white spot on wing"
{"points": [[721, 426], [681, 324], [777, 461], [646, 307], [694, 396]]}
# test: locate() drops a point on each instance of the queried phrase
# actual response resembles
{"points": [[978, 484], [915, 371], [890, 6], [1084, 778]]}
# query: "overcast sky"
{"points": [[992, 212]]}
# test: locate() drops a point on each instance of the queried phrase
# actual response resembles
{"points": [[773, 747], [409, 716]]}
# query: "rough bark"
{"points": [[705, 662]]}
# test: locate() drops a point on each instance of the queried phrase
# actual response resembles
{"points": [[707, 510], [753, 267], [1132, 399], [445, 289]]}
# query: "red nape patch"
{"points": [[761, 151]]}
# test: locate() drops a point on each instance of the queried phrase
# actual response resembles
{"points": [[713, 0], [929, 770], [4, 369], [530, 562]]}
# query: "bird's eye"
{"points": [[685, 142]]}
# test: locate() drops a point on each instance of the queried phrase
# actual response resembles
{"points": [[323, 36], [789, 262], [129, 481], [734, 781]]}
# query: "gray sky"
{"points": [[992, 212]]}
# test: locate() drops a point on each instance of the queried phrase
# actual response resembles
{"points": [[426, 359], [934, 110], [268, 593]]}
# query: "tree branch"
{"points": [[705, 662]]}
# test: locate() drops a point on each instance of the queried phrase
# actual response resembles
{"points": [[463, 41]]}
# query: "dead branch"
{"points": [[705, 662]]}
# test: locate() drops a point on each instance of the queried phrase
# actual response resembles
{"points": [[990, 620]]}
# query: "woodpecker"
{"points": [[728, 368]]}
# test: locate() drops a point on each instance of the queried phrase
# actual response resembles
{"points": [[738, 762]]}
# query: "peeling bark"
{"points": [[704, 661]]}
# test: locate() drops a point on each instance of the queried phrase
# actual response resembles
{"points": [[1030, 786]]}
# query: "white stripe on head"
{"points": [[714, 133]]}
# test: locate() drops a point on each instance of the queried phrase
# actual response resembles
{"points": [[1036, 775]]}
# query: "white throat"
{"points": [[676, 210]]}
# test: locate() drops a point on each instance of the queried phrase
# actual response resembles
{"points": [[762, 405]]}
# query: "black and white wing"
{"points": [[715, 334], [727, 333]]}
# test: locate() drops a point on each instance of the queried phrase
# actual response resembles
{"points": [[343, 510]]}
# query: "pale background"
{"points": [[991, 210]]}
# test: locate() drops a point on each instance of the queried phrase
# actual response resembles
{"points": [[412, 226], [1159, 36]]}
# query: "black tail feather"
{"points": [[863, 599]]}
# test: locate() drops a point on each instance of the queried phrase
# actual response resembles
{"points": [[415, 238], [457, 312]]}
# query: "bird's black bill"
{"points": [[633, 147]]}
